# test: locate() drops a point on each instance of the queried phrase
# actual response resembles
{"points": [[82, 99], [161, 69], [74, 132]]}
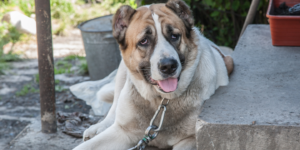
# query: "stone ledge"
{"points": [[247, 137], [263, 90]]}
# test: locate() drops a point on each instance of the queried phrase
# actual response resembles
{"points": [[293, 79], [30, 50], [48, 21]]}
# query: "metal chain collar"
{"points": [[152, 131]]}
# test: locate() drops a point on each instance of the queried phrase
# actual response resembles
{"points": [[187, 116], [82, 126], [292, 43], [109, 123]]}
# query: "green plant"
{"points": [[83, 68], [59, 88], [3, 66], [37, 78], [62, 67], [8, 34], [56, 81], [61, 9], [74, 57], [27, 6], [27, 88], [222, 20]]}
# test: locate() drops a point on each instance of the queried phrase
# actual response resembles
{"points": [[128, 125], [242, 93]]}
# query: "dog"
{"points": [[163, 57]]}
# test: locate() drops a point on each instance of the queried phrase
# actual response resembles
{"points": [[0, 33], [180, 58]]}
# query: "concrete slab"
{"points": [[259, 109], [31, 138]]}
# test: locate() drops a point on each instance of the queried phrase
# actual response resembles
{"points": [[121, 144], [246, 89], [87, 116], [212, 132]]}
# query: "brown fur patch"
{"points": [[137, 57]]}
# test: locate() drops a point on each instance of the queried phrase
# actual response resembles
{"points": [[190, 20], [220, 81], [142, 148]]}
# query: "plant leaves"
{"points": [[215, 13], [236, 5]]}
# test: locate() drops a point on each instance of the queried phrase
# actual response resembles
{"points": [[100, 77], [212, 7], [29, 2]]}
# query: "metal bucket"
{"points": [[102, 51]]}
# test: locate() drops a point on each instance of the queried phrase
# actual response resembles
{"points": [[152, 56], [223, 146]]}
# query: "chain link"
{"points": [[152, 131]]}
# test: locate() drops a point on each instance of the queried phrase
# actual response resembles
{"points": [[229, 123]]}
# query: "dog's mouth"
{"points": [[167, 85]]}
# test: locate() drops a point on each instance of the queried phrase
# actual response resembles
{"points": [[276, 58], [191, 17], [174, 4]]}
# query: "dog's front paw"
{"points": [[93, 131]]}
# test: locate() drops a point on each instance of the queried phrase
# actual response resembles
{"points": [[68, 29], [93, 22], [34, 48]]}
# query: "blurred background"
{"points": [[219, 20]]}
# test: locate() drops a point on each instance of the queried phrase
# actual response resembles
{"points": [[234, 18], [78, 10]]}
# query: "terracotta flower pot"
{"points": [[285, 30]]}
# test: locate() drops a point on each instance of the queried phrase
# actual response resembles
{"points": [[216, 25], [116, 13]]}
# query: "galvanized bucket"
{"points": [[102, 51]]}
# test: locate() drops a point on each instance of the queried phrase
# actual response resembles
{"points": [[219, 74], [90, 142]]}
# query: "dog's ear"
{"points": [[121, 22], [183, 11]]}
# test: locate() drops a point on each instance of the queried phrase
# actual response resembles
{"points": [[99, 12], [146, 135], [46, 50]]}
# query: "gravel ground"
{"points": [[17, 111]]}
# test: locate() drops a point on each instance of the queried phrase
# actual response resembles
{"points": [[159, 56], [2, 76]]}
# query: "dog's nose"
{"points": [[168, 65]]}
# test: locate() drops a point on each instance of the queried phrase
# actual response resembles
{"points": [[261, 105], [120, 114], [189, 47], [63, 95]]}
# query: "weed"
{"points": [[59, 88], [37, 78], [62, 67], [83, 68], [3, 66], [56, 82], [27, 88], [27, 6], [4, 58], [65, 65], [8, 34], [74, 57]]}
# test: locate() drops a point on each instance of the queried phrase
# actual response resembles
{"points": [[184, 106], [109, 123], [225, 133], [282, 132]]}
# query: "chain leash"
{"points": [[152, 131]]}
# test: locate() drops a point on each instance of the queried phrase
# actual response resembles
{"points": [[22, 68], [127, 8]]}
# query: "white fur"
{"points": [[163, 49], [110, 117], [106, 93], [132, 114]]}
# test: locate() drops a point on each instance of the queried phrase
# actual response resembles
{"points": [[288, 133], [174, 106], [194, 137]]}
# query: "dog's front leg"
{"points": [[113, 138], [110, 118], [186, 144]]}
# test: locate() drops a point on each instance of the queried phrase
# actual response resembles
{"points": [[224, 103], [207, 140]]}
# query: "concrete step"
{"points": [[31, 138], [259, 109]]}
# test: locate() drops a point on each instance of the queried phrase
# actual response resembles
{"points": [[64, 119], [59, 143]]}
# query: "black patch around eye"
{"points": [[145, 41], [170, 35], [148, 31], [169, 29], [182, 59], [174, 37]]}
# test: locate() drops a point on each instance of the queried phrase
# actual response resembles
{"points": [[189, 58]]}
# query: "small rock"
{"points": [[75, 123], [25, 64], [22, 23], [70, 79], [4, 89], [22, 71], [14, 78]]}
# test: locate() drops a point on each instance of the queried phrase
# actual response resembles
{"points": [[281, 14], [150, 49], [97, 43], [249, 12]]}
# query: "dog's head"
{"points": [[156, 42]]}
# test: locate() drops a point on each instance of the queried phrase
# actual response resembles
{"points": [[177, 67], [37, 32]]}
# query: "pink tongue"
{"points": [[168, 85]]}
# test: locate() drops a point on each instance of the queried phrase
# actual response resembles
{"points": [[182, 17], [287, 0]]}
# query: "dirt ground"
{"points": [[62, 46], [17, 108]]}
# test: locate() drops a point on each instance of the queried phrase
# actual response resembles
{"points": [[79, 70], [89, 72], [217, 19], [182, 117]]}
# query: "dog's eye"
{"points": [[144, 41], [174, 37]]}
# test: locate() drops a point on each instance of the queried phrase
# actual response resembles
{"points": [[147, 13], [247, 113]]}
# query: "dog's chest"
{"points": [[179, 120]]}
